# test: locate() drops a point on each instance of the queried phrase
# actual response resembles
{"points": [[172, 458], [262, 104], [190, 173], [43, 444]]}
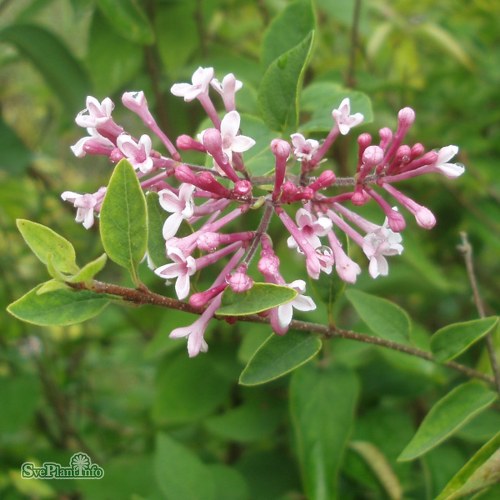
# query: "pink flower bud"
{"points": [[396, 221], [242, 189], [360, 197], [425, 218], [116, 155], [406, 117], [184, 174], [326, 179], [372, 156], [417, 150], [187, 143], [202, 298], [239, 281], [385, 137]]}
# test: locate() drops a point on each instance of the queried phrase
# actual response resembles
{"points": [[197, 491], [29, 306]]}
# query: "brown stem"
{"points": [[466, 249], [145, 296]]}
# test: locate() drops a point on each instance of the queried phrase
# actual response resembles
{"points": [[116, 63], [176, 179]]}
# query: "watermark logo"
{"points": [[80, 467]]}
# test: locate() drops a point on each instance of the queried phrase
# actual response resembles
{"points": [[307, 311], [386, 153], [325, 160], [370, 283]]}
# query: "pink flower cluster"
{"points": [[304, 196]]}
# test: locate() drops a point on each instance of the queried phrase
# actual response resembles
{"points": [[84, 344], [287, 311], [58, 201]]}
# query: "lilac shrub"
{"points": [[315, 207]]}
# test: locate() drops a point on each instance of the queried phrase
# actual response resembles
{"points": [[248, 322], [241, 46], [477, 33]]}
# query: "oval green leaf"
{"points": [[322, 406], [280, 355], [280, 87], [452, 340], [128, 19], [384, 318], [180, 473], [58, 307], [261, 297], [156, 219], [48, 246], [448, 415], [481, 471], [287, 30], [123, 220], [53, 60]]}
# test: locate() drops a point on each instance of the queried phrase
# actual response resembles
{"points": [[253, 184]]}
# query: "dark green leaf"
{"points": [[261, 297], [58, 307], [112, 60], [180, 473], [19, 396], [287, 30], [51, 57], [128, 19], [123, 220], [48, 246], [280, 87], [481, 471], [322, 405], [448, 415], [280, 355], [156, 219], [385, 319], [15, 157], [229, 483], [452, 340]]}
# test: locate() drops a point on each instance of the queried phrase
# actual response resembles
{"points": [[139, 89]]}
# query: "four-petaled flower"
{"points": [[342, 115], [304, 149], [448, 169], [96, 113], [281, 316], [138, 153], [200, 82], [227, 89], [85, 204], [231, 141], [182, 269], [380, 243], [310, 227], [181, 207]]}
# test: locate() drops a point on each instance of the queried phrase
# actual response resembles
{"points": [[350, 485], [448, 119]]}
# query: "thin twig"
{"points": [[145, 296], [466, 249]]}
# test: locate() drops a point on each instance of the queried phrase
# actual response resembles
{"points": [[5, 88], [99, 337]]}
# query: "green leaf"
{"points": [[322, 405], [320, 98], [180, 473], [188, 400], [66, 76], [128, 19], [112, 60], [88, 271], [385, 319], [481, 471], [177, 34], [259, 160], [287, 30], [452, 340], [380, 466], [156, 219], [48, 246], [448, 415], [229, 483], [123, 220], [261, 297], [15, 157], [280, 87], [50, 286], [20, 396], [280, 355], [58, 307]]}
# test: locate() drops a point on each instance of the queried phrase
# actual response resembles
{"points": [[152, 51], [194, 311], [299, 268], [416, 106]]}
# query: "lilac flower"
{"points": [[200, 81], [310, 227], [342, 116], [227, 89], [281, 316], [138, 153], [93, 144], [304, 149], [448, 169], [85, 204], [181, 207], [380, 243], [231, 141], [182, 269], [346, 268], [96, 113]]}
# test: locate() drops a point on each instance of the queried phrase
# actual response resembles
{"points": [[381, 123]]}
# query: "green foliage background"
{"points": [[116, 387]]}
